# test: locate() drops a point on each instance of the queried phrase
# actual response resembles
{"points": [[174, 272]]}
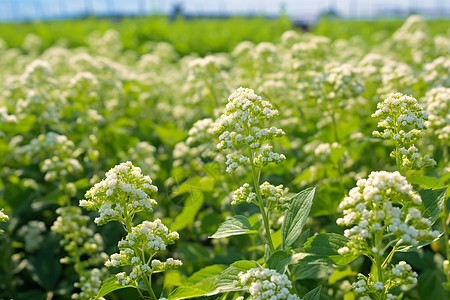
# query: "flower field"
{"points": [[158, 161]]}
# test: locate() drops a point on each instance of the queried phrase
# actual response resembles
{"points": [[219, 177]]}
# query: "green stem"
{"points": [[261, 203], [379, 264], [149, 288], [333, 118]]}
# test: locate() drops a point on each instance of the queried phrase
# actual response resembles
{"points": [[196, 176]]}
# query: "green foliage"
{"points": [[278, 261], [236, 225], [202, 36], [296, 216], [327, 245], [110, 285], [433, 202]]}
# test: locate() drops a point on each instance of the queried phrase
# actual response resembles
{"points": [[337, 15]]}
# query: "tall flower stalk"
{"points": [[243, 130], [124, 192]]}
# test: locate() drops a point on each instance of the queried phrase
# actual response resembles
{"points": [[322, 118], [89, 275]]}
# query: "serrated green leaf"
{"points": [[236, 225], [111, 285], [295, 217], [432, 201], [313, 294], [328, 244], [278, 261]]}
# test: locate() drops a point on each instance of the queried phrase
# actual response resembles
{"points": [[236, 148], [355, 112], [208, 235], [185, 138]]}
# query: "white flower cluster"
{"points": [[384, 204], [404, 121], [36, 73], [204, 68], [5, 117], [265, 56], [436, 72], [437, 104], [244, 194], [341, 82], [144, 155], [89, 284], [153, 237], [124, 192], [266, 155], [398, 275], [32, 234], [85, 86], [170, 263], [274, 195], [264, 283], [3, 218], [56, 154], [241, 124], [197, 150], [200, 132], [323, 151]]}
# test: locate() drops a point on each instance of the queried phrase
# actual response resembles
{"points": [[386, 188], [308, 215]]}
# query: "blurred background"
{"points": [[300, 11]]}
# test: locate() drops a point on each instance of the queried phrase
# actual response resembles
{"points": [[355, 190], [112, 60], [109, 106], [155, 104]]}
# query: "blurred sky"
{"points": [[19, 10]]}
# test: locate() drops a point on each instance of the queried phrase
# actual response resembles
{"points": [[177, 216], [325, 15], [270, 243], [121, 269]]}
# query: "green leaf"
{"points": [[432, 201], [328, 244], [430, 286], [206, 272], [201, 283], [225, 281], [111, 285], [205, 184], [340, 273], [310, 266], [191, 207], [278, 261], [296, 216], [173, 278], [313, 294], [45, 267], [170, 134], [236, 225], [424, 181]]}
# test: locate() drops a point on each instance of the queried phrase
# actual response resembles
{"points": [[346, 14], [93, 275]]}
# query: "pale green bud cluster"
{"points": [[56, 154], [32, 234], [397, 275], [404, 121], [78, 238], [123, 193], [385, 205], [90, 284]]}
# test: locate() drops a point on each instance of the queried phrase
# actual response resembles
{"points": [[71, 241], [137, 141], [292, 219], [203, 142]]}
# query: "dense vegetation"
{"points": [[326, 176]]}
